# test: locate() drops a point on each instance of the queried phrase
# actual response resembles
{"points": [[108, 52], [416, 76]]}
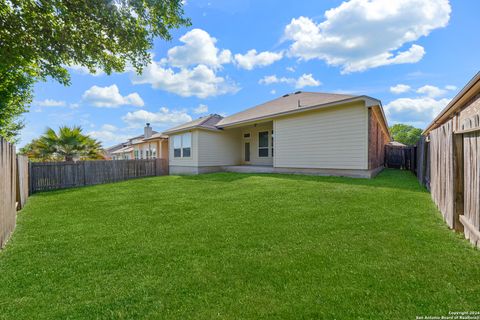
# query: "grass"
{"points": [[237, 246]]}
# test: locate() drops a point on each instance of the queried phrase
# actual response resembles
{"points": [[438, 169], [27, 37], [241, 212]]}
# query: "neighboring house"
{"points": [[111, 152], [149, 145], [396, 144], [152, 147], [124, 153], [302, 132]]}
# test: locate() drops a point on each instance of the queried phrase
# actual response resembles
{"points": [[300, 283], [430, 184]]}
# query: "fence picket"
{"points": [[8, 190]]}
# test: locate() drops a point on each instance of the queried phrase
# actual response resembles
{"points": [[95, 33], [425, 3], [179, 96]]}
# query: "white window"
{"points": [[182, 145]]}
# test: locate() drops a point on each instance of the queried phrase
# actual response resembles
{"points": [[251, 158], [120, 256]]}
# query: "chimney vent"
{"points": [[147, 131]]}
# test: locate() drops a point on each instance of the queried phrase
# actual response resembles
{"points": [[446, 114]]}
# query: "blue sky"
{"points": [[413, 55]]}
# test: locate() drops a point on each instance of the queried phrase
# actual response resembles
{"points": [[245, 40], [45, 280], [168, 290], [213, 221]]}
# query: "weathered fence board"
{"points": [[8, 191], [442, 171], [471, 165], [22, 181], [423, 163], [60, 175]]}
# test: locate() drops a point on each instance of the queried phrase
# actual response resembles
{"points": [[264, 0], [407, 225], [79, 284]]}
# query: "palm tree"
{"points": [[67, 144]]}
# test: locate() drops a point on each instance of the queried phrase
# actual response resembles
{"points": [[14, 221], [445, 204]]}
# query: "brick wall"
{"points": [[377, 138]]}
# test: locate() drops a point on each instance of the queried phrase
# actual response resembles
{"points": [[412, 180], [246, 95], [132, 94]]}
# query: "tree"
{"points": [[15, 95], [405, 134], [38, 39], [67, 144]]}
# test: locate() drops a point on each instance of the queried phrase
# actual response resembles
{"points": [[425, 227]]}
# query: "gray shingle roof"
{"points": [[283, 104], [207, 122], [157, 135]]}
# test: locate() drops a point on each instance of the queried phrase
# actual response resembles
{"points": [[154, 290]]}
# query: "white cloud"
{"points": [[50, 103], [109, 127], [273, 91], [291, 69], [202, 108], [431, 91], [163, 118], [201, 81], [190, 69], [108, 135], [199, 48], [451, 87], [84, 70], [363, 34], [400, 88], [417, 111], [252, 59], [274, 79], [305, 80], [110, 97]]}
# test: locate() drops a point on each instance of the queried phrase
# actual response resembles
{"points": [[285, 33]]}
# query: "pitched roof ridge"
{"points": [[212, 115]]}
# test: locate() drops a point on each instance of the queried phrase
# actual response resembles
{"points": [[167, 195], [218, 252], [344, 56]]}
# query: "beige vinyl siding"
{"points": [[333, 138], [219, 148], [190, 161]]}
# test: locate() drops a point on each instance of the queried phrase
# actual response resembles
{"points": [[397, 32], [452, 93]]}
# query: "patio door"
{"points": [[246, 153]]}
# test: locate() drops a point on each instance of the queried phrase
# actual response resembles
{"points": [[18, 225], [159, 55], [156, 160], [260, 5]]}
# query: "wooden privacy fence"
{"points": [[455, 176], [400, 157], [59, 175], [22, 181], [8, 190], [423, 162], [442, 181]]}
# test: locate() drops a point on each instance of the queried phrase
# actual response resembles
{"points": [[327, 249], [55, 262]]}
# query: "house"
{"points": [[149, 145], [302, 132], [122, 151], [396, 144]]}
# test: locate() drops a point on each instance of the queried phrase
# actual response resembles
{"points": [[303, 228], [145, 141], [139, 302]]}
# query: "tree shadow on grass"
{"points": [[388, 178]]}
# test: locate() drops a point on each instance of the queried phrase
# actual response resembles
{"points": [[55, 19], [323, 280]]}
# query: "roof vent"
{"points": [[298, 92], [285, 95]]}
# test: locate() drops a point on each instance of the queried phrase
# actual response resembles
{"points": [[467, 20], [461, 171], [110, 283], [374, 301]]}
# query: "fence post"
{"points": [[30, 178], [84, 174], [458, 177]]}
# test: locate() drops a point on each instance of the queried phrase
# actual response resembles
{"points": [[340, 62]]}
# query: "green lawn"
{"points": [[237, 246]]}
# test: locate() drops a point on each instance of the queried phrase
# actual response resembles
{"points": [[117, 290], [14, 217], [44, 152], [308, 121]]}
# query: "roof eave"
{"points": [[155, 138], [197, 127], [453, 105]]}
